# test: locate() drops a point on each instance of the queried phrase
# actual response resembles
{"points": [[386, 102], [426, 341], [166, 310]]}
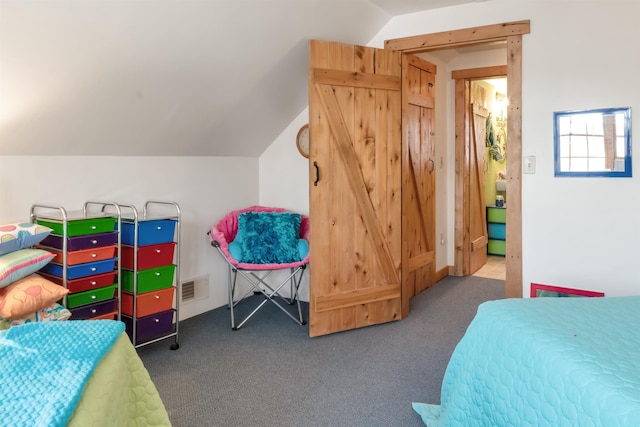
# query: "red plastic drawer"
{"points": [[148, 303], [109, 316], [84, 255], [150, 327], [84, 283], [151, 256]]}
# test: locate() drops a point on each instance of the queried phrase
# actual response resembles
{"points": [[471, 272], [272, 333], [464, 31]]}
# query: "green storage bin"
{"points": [[90, 297], [497, 247], [497, 215], [149, 280], [80, 227]]}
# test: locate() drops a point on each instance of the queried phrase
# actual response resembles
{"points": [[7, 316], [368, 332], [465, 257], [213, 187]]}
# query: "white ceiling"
{"points": [[166, 77]]}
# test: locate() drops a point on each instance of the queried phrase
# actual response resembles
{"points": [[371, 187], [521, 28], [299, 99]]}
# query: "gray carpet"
{"points": [[270, 373]]}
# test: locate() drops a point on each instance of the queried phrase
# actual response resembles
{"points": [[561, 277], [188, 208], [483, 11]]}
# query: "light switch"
{"points": [[529, 164]]}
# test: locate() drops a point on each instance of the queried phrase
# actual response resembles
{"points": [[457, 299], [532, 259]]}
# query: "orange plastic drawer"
{"points": [[85, 255], [151, 256], [148, 303]]}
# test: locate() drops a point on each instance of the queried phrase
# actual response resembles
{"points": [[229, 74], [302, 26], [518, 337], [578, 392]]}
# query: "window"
{"points": [[593, 142]]}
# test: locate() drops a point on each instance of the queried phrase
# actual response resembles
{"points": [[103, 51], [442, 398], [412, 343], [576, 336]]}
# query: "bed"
{"points": [[75, 373], [544, 362]]}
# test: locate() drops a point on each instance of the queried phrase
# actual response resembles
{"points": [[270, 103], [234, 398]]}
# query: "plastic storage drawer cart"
{"points": [[85, 244], [497, 230], [150, 255]]}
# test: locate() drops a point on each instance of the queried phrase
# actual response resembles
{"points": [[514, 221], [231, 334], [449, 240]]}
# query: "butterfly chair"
{"points": [[256, 242]]}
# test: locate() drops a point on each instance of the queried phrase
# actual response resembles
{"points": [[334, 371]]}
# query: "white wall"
{"points": [[284, 183], [577, 232], [205, 188]]}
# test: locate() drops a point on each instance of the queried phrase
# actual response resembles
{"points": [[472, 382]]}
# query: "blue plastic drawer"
{"points": [[150, 232], [497, 231], [81, 270]]}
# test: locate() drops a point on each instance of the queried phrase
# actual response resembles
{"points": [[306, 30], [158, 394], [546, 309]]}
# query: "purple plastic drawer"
{"points": [[81, 242], [150, 327], [94, 310]]}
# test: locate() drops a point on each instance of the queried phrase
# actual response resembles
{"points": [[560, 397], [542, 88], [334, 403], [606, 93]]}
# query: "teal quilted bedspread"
{"points": [[45, 366], [544, 362]]}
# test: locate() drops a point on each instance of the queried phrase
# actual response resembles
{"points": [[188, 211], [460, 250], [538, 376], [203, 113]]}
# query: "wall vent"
{"points": [[194, 289], [188, 290]]}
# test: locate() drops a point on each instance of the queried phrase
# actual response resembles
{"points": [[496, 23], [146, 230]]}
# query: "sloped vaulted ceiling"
{"points": [[166, 77]]}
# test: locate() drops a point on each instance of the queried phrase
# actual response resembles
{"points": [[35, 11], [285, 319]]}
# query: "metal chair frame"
{"points": [[261, 287]]}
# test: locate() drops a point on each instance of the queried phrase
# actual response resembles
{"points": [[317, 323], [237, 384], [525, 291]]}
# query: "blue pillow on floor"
{"points": [[269, 237]]}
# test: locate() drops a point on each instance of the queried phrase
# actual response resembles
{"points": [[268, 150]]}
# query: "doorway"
{"points": [[481, 140], [511, 33]]}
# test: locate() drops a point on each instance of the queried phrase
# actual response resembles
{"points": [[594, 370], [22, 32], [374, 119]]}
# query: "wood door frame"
{"points": [[463, 79], [511, 33]]}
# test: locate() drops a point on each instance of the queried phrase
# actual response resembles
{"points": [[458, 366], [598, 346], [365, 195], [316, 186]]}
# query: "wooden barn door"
{"points": [[355, 186], [478, 235], [418, 177]]}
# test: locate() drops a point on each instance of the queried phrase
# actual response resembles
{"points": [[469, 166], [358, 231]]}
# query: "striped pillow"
{"points": [[16, 265]]}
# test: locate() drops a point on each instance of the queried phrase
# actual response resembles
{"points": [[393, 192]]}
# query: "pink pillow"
{"points": [[28, 295]]}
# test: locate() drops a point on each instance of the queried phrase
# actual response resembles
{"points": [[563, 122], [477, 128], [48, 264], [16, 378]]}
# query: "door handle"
{"points": [[315, 183], [431, 165]]}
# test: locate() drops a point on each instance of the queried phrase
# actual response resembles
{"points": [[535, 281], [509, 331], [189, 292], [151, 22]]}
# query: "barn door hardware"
{"points": [[315, 183]]}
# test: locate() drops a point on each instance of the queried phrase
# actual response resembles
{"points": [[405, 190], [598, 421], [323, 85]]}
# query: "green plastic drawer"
{"points": [[149, 280], [80, 227], [89, 297], [497, 215], [497, 247]]}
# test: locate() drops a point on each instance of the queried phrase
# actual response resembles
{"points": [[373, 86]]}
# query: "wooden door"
{"points": [[355, 186], [418, 177], [478, 236]]}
